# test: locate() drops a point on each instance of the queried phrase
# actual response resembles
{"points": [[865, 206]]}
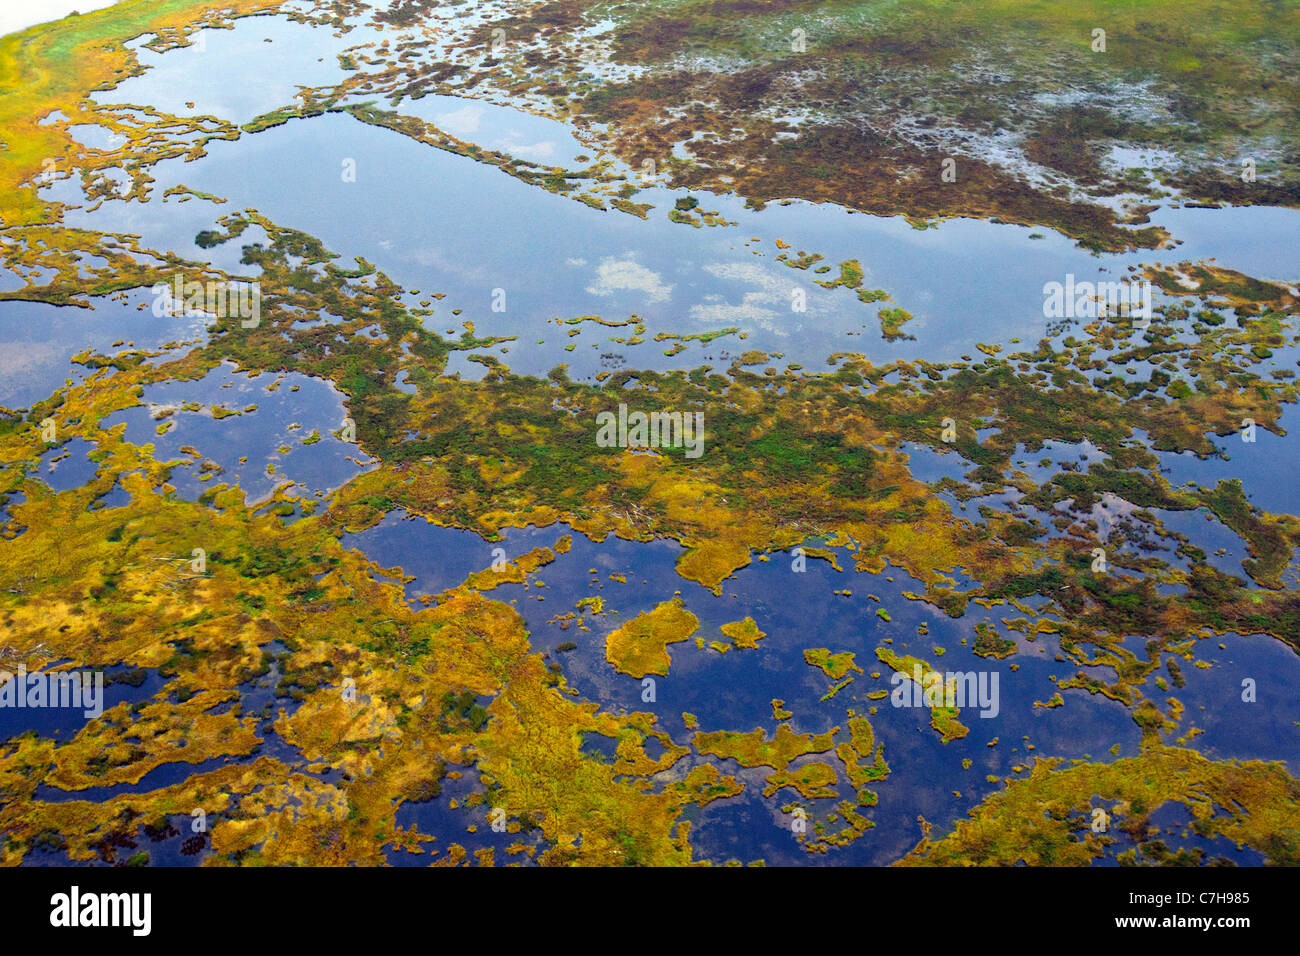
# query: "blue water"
{"points": [[68, 465], [63, 723], [259, 697], [733, 691], [282, 401], [37, 341], [420, 213], [438, 557]]}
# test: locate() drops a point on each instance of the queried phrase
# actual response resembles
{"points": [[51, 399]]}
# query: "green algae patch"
{"points": [[513, 572], [937, 692], [850, 276], [834, 666], [835, 689], [863, 758], [989, 644], [755, 750], [813, 780], [640, 646], [744, 634], [1045, 819], [892, 322]]}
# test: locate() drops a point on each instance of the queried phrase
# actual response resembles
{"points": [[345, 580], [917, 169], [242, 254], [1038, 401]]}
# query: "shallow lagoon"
{"points": [[734, 691], [281, 425], [421, 214]]}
